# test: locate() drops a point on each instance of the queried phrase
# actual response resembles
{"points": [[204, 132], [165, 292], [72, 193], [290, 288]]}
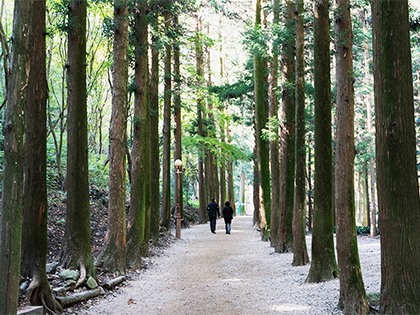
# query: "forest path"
{"points": [[205, 273]]}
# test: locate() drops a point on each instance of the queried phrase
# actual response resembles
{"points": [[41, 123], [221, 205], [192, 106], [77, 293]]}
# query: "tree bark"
{"points": [[231, 192], [113, 255], [154, 136], [261, 122], [34, 224], [300, 252], [213, 179], [274, 143], [287, 133], [256, 192], [323, 265], [138, 227], [222, 168], [165, 210], [200, 105], [352, 290], [398, 192], [177, 113], [76, 249], [13, 166]]}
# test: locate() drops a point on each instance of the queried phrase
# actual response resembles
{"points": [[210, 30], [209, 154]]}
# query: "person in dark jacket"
{"points": [[228, 216], [214, 213]]}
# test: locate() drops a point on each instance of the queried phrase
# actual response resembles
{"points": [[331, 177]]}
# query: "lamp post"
{"points": [[178, 172]]}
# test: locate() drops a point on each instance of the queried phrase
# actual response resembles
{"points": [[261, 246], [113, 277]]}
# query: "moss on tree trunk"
{"points": [[165, 209], [138, 228], [12, 189], [261, 122], [154, 136]]}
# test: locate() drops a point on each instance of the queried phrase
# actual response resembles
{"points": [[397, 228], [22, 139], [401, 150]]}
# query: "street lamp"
{"points": [[178, 172]]}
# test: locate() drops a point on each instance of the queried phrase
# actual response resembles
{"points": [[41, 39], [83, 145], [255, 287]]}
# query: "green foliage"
{"points": [[98, 172], [58, 10], [374, 299], [228, 91], [364, 230], [256, 41], [219, 149], [271, 133]]}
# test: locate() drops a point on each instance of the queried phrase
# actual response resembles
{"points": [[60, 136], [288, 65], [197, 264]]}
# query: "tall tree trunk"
{"points": [[138, 227], [231, 192], [287, 133], [261, 122], [154, 136], [76, 250], [300, 252], [200, 105], [35, 210], [365, 217], [177, 113], [113, 255], [372, 218], [398, 191], [165, 210], [310, 190], [211, 132], [222, 168], [274, 143], [323, 265], [13, 165], [256, 192], [352, 291]]}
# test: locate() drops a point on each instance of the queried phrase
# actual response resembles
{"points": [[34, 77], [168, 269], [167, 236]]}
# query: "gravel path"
{"points": [[238, 274]]}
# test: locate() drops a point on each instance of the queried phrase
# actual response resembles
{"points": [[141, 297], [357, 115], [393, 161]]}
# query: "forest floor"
{"points": [[204, 273]]}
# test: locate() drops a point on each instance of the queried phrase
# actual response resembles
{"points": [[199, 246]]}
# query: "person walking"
{"points": [[228, 216], [214, 213]]}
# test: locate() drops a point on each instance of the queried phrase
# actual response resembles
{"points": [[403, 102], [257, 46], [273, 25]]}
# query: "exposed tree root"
{"points": [[39, 293], [82, 277]]}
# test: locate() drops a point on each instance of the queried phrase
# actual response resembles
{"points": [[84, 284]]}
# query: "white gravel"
{"points": [[239, 274]]}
